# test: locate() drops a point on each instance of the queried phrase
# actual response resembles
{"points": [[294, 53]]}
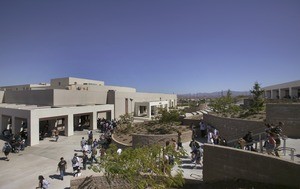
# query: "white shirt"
{"points": [[77, 164]]}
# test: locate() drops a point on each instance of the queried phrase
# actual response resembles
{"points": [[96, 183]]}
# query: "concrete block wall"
{"points": [[289, 114], [231, 129], [225, 163], [144, 139]]}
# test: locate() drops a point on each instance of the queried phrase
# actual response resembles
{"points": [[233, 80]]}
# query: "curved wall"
{"points": [[289, 114], [143, 139], [231, 129], [225, 163]]}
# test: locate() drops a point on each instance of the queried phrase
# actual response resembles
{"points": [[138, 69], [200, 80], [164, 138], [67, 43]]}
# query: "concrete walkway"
{"points": [[24, 167]]}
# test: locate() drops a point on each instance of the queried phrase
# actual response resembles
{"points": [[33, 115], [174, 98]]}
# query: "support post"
{"points": [[69, 128]]}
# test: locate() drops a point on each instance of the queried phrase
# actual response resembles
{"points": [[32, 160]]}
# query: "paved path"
{"points": [[22, 171]]}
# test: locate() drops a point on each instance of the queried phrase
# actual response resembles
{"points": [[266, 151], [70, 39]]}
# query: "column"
{"points": [[274, 94], [69, 125], [149, 110], [279, 93], [291, 92], [137, 110], [13, 124], [1, 124], [112, 114], [94, 121], [33, 129]]}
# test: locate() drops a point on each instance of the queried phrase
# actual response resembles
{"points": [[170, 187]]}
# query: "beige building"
{"points": [[284, 90], [69, 103]]}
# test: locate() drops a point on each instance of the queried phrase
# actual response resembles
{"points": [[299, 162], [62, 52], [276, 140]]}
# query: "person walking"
{"points": [[93, 156], [6, 150], [43, 183], [75, 165], [84, 160], [62, 166], [82, 142], [202, 129], [56, 135], [179, 141]]}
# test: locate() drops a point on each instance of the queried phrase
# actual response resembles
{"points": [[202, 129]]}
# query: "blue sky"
{"points": [[164, 46]]}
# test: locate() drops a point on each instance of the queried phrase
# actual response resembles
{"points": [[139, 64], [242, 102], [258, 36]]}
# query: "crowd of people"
{"points": [[14, 144], [272, 141], [90, 146], [93, 147]]}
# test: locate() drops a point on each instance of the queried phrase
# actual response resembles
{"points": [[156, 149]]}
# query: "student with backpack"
{"points": [[75, 165], [6, 150], [43, 183]]}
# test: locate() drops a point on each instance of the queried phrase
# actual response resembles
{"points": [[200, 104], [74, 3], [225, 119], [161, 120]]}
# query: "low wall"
{"points": [[224, 163], [146, 139], [190, 121], [231, 129], [120, 144], [289, 114]]}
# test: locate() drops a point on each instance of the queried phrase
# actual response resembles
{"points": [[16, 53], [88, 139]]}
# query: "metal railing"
{"points": [[262, 137], [284, 149]]}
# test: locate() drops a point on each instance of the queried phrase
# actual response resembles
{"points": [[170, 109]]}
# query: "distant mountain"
{"points": [[213, 94]]}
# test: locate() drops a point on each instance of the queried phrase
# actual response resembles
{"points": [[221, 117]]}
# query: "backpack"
{"points": [[7, 148], [46, 184], [74, 160]]}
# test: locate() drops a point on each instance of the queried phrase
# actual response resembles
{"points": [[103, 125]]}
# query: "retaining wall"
{"points": [[224, 163], [231, 129], [146, 139], [289, 114]]}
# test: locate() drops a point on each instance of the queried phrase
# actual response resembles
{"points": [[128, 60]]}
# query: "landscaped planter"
{"points": [[148, 139]]}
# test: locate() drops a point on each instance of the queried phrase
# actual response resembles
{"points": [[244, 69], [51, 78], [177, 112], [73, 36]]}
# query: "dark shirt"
{"points": [[62, 165]]}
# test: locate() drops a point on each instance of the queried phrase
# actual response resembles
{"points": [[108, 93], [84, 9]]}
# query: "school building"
{"points": [[68, 103], [283, 90]]}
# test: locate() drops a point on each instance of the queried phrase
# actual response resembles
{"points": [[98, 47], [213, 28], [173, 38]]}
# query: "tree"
{"points": [[168, 116], [140, 167], [125, 123], [257, 95], [225, 104], [126, 119]]}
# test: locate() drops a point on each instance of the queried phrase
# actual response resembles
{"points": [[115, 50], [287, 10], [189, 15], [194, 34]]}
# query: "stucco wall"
{"points": [[72, 97], [289, 114], [224, 163], [37, 97], [138, 97], [11, 112], [233, 128], [283, 85], [143, 139], [1, 96]]}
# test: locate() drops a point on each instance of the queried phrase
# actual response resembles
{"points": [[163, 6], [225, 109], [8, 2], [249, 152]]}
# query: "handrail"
{"points": [[284, 148], [254, 135]]}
